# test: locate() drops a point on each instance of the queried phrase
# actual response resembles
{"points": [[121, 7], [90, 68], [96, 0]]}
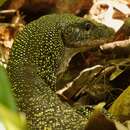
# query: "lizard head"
{"points": [[86, 32]]}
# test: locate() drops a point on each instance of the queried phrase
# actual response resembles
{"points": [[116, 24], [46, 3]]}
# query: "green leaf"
{"points": [[6, 97], [116, 73], [121, 106], [11, 120]]}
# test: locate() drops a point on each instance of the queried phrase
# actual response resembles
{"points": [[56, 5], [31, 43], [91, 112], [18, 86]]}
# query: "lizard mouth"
{"points": [[97, 42], [92, 43]]}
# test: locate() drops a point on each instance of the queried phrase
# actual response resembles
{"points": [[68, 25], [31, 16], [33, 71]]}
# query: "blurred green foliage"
{"points": [[10, 119], [6, 97], [2, 2]]}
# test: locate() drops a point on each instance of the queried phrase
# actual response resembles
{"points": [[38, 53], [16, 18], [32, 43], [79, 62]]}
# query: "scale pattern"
{"points": [[36, 54]]}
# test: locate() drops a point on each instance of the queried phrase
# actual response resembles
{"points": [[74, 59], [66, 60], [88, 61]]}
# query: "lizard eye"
{"points": [[87, 26]]}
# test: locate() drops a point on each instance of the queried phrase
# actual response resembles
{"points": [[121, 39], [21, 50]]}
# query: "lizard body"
{"points": [[37, 52]]}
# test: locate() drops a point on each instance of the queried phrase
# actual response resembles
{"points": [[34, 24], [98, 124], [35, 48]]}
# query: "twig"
{"points": [[117, 45], [7, 11]]}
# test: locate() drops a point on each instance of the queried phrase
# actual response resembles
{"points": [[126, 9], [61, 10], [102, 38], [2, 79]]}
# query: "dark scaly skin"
{"points": [[36, 54]]}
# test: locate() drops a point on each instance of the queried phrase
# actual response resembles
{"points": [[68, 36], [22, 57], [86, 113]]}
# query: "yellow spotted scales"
{"points": [[36, 54]]}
